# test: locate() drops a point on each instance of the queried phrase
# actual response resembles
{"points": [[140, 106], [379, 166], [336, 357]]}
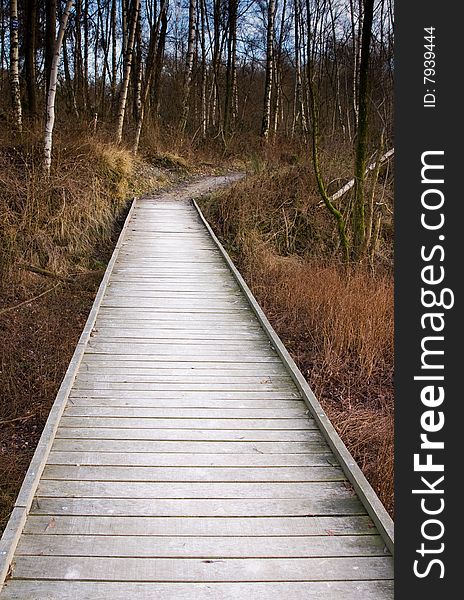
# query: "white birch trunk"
{"points": [[127, 72], [50, 119], [269, 71], [14, 66], [189, 65]]}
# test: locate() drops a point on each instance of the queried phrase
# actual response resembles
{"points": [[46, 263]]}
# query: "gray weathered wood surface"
{"points": [[185, 463]]}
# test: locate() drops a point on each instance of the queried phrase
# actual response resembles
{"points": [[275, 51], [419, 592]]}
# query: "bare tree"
{"points": [[189, 65], [127, 72], [14, 66], [231, 65], [269, 70], [362, 132], [145, 87], [50, 120], [50, 34], [29, 56]]}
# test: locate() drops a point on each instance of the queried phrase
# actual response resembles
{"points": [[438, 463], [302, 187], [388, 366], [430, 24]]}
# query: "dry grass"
{"points": [[55, 223], [337, 323]]}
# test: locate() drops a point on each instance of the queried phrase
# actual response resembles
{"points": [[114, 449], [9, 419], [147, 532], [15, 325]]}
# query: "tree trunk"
{"points": [[14, 67], [230, 73], [189, 66], [50, 34], [29, 56], [359, 229], [127, 72], [203, 14], [159, 60], [114, 63], [154, 59], [50, 120], [269, 70]]}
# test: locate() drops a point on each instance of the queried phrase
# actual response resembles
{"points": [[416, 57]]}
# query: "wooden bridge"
{"points": [[185, 456]]}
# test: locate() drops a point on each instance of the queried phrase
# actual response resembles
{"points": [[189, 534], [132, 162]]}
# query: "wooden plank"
{"points": [[174, 335], [94, 590], [161, 329], [319, 492], [91, 445], [192, 474], [160, 423], [95, 363], [265, 384], [219, 378], [237, 317], [209, 435], [197, 570], [183, 354], [200, 547], [180, 394], [200, 507], [186, 413], [185, 460], [208, 402], [188, 347], [201, 526]]}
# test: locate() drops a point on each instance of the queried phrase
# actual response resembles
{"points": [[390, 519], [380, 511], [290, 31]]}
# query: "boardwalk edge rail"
{"points": [[23, 503], [367, 495]]}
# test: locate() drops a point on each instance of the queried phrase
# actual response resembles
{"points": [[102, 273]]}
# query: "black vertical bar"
{"points": [[429, 118]]}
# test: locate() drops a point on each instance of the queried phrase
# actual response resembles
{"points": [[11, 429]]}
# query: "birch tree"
{"points": [[269, 70], [127, 72], [14, 67], [189, 65], [50, 119]]}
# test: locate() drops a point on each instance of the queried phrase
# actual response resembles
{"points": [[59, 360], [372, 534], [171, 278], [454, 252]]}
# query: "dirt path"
{"points": [[198, 187]]}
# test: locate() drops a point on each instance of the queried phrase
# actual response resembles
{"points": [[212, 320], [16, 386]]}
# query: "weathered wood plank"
{"points": [[203, 403], [112, 333], [181, 394], [203, 507], [94, 590], [197, 570], [192, 474], [186, 413], [95, 363], [219, 379], [319, 492], [197, 384], [179, 423], [201, 526], [208, 435], [191, 447], [200, 547], [173, 459]]}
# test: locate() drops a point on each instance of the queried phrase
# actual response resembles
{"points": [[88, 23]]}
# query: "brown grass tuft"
{"points": [[54, 223]]}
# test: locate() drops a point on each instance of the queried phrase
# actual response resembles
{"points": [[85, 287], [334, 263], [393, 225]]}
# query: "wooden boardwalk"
{"points": [[180, 460]]}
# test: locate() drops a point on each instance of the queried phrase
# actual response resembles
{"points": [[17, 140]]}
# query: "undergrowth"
{"points": [[54, 223]]}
